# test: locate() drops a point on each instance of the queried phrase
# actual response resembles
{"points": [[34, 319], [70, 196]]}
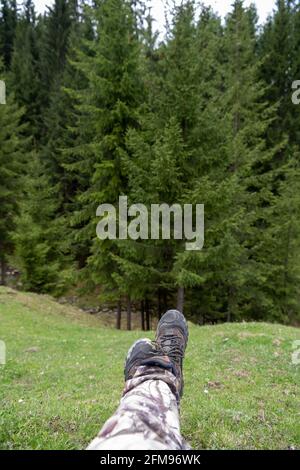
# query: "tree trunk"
{"points": [[165, 301], [119, 316], [286, 271], [230, 304], [159, 304], [180, 299], [147, 309], [143, 315], [128, 314], [3, 271]]}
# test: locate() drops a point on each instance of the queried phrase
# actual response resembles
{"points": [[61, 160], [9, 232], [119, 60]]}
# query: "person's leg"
{"points": [[148, 416]]}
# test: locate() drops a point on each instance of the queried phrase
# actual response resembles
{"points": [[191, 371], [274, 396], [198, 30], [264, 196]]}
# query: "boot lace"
{"points": [[174, 345]]}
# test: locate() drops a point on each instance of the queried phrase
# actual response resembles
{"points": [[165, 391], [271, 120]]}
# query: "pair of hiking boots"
{"points": [[166, 352]]}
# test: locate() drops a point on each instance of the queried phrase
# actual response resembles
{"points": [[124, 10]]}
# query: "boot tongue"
{"points": [[160, 361]]}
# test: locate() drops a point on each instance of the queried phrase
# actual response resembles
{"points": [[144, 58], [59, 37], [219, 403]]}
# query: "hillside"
{"points": [[64, 376]]}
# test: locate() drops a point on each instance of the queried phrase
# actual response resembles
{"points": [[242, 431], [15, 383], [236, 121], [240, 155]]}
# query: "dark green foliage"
{"points": [[107, 107], [25, 69], [8, 24], [40, 252], [203, 115], [12, 165]]}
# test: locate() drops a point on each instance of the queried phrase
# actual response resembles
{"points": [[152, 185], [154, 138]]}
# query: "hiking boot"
{"points": [[145, 353], [172, 337]]}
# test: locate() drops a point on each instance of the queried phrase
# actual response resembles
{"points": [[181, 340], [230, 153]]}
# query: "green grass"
{"points": [[64, 376]]}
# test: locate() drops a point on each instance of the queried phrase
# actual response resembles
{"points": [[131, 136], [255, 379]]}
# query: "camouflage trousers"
{"points": [[148, 415]]}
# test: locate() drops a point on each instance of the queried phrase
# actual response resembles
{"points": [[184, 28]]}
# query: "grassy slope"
{"points": [[63, 379]]}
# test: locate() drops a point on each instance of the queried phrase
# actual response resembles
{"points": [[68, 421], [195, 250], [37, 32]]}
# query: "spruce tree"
{"points": [[107, 108], [231, 182], [12, 161], [176, 115], [276, 51], [8, 24], [25, 70], [39, 251], [58, 24], [280, 65]]}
